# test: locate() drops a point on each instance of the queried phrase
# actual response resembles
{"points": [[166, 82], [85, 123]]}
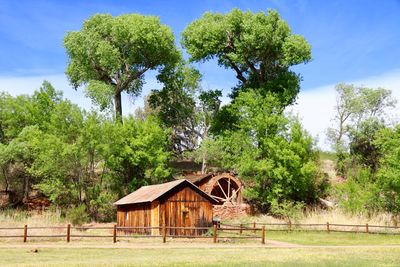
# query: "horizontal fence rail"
{"points": [[253, 230], [325, 227]]}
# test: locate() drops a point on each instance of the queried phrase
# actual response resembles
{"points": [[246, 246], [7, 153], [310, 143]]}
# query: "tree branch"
{"points": [[239, 73]]}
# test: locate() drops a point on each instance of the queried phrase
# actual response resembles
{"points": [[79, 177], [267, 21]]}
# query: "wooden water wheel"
{"points": [[224, 187]]}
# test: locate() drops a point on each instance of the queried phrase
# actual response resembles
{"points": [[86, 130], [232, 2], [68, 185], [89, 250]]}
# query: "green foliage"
{"points": [[175, 105], [359, 194], [292, 212], [111, 54], [360, 113], [259, 47], [78, 215], [362, 143], [389, 172], [74, 157], [270, 151]]}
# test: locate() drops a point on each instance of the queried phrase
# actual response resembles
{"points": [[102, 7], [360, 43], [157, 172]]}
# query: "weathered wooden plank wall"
{"points": [[185, 208], [135, 215]]}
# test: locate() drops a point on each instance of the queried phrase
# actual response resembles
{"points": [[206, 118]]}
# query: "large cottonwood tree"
{"points": [[259, 47], [110, 55]]}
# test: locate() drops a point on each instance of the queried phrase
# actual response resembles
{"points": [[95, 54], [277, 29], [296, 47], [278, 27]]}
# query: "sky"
{"points": [[352, 41]]}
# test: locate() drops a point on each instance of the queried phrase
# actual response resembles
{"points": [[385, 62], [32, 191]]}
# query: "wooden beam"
{"points": [[218, 197], [68, 232], [222, 189], [229, 187]]}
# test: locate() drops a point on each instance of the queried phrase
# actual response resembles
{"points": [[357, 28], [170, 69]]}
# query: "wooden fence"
{"points": [[253, 230], [326, 227]]}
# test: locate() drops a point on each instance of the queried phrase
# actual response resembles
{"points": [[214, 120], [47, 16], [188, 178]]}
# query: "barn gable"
{"points": [[155, 192]]}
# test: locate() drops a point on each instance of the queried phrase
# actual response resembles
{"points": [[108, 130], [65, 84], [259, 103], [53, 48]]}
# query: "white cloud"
{"points": [[18, 85], [28, 84], [316, 106]]}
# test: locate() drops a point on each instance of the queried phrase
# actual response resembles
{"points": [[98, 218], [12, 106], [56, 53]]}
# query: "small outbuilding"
{"points": [[178, 203]]}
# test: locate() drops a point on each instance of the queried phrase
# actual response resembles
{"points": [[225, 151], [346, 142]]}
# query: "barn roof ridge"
{"points": [[149, 193]]}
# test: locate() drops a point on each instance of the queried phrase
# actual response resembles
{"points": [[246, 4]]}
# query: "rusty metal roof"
{"points": [[153, 192], [194, 177]]}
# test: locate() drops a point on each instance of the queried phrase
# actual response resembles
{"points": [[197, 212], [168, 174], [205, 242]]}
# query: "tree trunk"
{"points": [[7, 184], [26, 188], [118, 106], [204, 161]]}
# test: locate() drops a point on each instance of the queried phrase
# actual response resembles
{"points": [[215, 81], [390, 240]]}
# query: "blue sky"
{"points": [[352, 41]]}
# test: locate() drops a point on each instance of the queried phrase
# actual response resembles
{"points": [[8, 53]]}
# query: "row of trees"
{"points": [[76, 157]]}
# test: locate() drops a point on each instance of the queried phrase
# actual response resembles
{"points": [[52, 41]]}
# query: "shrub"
{"points": [[78, 215], [359, 194], [290, 211]]}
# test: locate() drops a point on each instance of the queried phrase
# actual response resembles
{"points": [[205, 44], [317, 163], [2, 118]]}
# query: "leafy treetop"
{"points": [[259, 47], [111, 54]]}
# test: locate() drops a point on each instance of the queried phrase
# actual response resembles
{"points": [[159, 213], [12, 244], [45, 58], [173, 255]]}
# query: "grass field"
{"points": [[201, 257], [333, 239], [316, 249]]}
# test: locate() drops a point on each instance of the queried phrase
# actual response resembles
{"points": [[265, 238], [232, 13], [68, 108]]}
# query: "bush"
{"points": [[102, 208], [290, 211], [78, 215], [359, 194]]}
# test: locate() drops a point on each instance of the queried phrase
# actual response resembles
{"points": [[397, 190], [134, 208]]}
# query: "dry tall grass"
{"points": [[318, 216], [18, 218], [34, 220]]}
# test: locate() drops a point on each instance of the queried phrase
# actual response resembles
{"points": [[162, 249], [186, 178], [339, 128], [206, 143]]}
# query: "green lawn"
{"points": [[323, 238], [316, 238], [201, 257], [235, 252]]}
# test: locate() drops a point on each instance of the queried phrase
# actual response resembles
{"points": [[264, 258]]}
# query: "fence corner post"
{"points": [[241, 228], [327, 227], [68, 232], [25, 232], [215, 234], [164, 233], [263, 235], [367, 228], [115, 234]]}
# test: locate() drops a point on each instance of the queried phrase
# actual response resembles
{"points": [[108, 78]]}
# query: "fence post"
{"points": [[25, 232], [241, 228], [327, 227], [254, 227], [215, 234], [68, 233], [115, 234], [263, 235], [366, 228], [164, 233], [290, 225]]}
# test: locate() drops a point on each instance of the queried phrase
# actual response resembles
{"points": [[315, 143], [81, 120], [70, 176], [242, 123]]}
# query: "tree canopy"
{"points": [[110, 55], [259, 47]]}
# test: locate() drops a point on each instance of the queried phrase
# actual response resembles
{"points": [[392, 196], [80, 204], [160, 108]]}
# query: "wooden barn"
{"points": [[176, 204]]}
